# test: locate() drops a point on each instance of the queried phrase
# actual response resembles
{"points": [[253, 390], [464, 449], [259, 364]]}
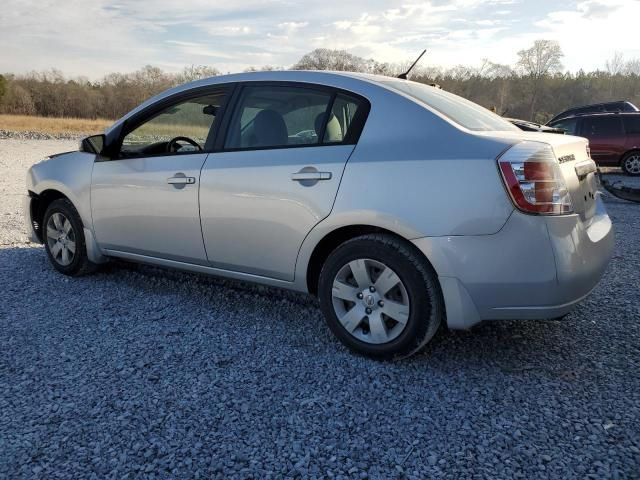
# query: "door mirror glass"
{"points": [[93, 144]]}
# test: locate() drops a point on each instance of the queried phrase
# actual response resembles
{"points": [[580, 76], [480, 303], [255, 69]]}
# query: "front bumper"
{"points": [[536, 267], [26, 208]]}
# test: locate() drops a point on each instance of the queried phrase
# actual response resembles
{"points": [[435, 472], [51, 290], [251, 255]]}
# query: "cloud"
{"points": [[594, 9], [92, 37], [590, 33], [291, 26]]}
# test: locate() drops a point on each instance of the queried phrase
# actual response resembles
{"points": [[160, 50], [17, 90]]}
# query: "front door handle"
{"points": [[180, 180], [313, 176], [177, 180]]}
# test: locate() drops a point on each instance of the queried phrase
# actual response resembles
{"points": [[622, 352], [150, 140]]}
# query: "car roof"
{"points": [[598, 114], [581, 108], [337, 79], [613, 102]]}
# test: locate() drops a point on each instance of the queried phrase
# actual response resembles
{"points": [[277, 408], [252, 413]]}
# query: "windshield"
{"points": [[468, 114]]}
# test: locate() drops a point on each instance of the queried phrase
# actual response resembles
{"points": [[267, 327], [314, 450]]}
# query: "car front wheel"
{"points": [[380, 297], [64, 239]]}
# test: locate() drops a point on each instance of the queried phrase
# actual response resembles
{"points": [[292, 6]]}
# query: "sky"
{"points": [[93, 37]]}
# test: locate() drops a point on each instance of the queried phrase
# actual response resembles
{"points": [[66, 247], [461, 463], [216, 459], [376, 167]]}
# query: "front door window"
{"points": [[178, 129]]}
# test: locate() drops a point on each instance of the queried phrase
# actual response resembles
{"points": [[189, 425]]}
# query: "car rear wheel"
{"points": [[631, 163], [64, 239], [380, 297]]}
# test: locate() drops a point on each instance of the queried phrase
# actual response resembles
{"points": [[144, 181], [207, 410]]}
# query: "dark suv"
{"points": [[607, 107], [614, 138]]}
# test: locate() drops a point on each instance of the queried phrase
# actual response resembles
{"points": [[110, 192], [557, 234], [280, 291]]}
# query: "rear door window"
{"points": [[274, 116], [602, 126], [277, 116], [632, 124]]}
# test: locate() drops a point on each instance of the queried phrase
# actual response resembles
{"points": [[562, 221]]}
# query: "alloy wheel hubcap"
{"points": [[61, 239], [370, 301], [632, 164]]}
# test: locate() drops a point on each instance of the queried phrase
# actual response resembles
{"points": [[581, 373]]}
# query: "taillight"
{"points": [[533, 178]]}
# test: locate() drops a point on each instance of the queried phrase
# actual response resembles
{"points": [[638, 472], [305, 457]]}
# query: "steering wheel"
{"points": [[173, 143]]}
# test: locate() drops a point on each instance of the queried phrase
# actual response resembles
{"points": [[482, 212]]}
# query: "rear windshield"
{"points": [[468, 114]]}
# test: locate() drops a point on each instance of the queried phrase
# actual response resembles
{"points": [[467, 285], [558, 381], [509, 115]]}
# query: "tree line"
{"points": [[535, 88]]}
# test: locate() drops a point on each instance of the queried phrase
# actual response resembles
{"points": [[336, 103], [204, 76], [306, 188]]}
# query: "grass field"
{"points": [[25, 123]]}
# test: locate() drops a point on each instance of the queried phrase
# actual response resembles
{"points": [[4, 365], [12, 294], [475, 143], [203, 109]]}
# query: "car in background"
{"points": [[607, 107], [528, 126], [401, 206], [614, 138]]}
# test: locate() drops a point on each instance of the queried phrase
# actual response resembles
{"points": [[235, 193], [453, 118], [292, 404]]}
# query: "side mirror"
{"points": [[210, 110], [93, 144]]}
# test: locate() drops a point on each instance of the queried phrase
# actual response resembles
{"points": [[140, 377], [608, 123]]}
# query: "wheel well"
{"points": [[330, 242], [39, 205], [633, 150]]}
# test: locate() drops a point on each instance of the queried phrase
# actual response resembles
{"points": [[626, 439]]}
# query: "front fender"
{"points": [[69, 174]]}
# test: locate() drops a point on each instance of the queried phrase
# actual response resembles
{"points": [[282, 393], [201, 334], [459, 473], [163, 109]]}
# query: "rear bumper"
{"points": [[534, 268]]}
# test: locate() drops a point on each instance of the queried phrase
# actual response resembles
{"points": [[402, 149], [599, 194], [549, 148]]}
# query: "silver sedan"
{"points": [[401, 206]]}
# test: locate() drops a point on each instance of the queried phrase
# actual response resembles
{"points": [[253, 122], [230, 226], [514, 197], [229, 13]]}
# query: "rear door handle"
{"points": [[313, 176]]}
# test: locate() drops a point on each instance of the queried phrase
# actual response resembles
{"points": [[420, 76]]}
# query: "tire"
{"points": [[630, 163], [414, 302], [62, 230]]}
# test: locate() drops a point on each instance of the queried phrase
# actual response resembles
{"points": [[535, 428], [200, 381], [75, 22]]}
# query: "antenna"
{"points": [[403, 76]]}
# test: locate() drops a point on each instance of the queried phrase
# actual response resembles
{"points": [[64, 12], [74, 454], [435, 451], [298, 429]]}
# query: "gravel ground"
{"points": [[616, 175], [139, 373], [9, 135]]}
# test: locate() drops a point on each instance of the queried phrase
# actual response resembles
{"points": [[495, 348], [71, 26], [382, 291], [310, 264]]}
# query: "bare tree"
{"points": [[17, 100], [264, 68], [3, 86], [326, 59], [615, 65], [461, 72], [501, 78], [496, 70], [427, 73], [537, 62], [543, 58], [51, 94], [384, 68], [632, 67], [196, 72]]}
